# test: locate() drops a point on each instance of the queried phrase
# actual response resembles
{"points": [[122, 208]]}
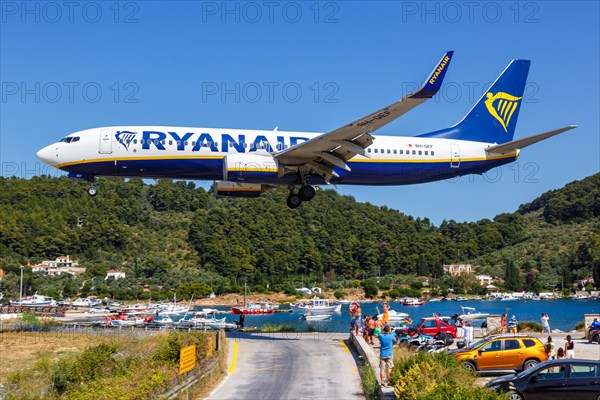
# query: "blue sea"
{"points": [[564, 314]]}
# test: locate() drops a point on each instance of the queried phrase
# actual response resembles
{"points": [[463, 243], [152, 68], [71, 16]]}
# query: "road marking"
{"points": [[346, 350], [268, 368], [233, 357]]}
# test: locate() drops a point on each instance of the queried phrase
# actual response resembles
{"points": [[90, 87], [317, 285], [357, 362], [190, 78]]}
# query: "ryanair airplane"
{"points": [[244, 163]]}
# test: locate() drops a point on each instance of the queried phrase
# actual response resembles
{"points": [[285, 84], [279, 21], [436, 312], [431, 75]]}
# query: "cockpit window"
{"points": [[70, 139]]}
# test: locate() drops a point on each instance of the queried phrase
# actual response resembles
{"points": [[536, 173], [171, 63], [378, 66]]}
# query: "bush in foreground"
{"points": [[436, 376]]}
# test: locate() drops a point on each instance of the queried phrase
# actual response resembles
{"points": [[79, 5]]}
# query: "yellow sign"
{"points": [[504, 107], [187, 359]]}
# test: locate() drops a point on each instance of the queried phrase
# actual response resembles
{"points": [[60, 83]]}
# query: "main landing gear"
{"points": [[306, 193]]}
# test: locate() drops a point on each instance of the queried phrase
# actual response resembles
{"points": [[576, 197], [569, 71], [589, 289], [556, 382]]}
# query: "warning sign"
{"points": [[187, 358]]}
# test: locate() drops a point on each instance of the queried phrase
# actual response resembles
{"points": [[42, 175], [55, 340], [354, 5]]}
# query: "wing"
{"points": [[325, 152], [518, 144]]}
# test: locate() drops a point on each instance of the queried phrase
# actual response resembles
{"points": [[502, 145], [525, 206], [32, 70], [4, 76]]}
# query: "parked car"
{"points": [[433, 326], [553, 379], [98, 310], [508, 351]]}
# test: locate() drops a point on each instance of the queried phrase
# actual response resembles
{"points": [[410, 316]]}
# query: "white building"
{"points": [[458, 269], [113, 273], [60, 265], [484, 280]]}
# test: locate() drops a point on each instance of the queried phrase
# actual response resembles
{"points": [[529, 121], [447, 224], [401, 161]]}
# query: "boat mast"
{"points": [[21, 288]]}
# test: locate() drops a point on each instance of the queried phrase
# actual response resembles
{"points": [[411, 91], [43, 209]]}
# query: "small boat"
{"points": [[509, 297], [316, 306], [413, 301], [166, 320], [344, 301], [460, 298], [469, 314], [536, 298], [579, 297], [434, 300], [255, 308], [130, 319], [319, 317], [34, 301]]}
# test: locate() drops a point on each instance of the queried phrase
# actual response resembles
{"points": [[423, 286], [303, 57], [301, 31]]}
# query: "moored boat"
{"points": [[316, 306], [413, 301], [255, 308], [34, 301], [470, 314]]}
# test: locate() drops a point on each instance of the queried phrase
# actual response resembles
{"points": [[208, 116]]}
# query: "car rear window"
{"points": [[583, 371], [528, 342]]}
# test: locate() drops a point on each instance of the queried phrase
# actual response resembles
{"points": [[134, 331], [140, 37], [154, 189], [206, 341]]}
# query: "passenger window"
{"points": [[511, 344], [420, 153], [583, 371], [170, 143], [551, 373], [432, 153], [375, 150], [368, 150], [414, 152], [528, 342], [492, 346], [401, 151], [216, 144], [388, 151], [134, 141], [426, 153], [395, 151]]}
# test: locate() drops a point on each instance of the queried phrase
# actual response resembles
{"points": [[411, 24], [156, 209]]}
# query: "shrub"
{"points": [[369, 381], [580, 326], [529, 326], [338, 294]]}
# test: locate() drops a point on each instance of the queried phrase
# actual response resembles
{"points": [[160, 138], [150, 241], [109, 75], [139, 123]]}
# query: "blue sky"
{"points": [[306, 66]]}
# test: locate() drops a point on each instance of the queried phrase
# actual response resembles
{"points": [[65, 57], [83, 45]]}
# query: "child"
{"points": [[560, 353], [550, 348]]}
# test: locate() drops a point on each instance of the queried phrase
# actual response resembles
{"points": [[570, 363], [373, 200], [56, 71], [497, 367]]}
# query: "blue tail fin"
{"points": [[494, 117]]}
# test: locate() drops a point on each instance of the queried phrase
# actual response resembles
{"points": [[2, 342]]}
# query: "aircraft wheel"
{"points": [[92, 191], [293, 201], [307, 193]]}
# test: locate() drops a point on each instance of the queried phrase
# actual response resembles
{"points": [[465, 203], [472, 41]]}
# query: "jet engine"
{"points": [[251, 168]]}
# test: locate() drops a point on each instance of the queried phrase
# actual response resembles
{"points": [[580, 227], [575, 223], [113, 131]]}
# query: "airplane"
{"points": [[245, 163]]}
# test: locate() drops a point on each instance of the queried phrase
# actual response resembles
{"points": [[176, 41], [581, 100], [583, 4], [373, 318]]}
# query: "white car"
{"points": [[98, 310]]}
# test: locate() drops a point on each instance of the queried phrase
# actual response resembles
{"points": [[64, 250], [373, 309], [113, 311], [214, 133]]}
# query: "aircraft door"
{"points": [[106, 141], [454, 156]]}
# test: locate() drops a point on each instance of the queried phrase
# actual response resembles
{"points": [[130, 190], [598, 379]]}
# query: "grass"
{"points": [[277, 328], [133, 368], [369, 382]]}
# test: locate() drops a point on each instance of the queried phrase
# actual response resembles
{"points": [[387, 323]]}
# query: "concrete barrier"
{"points": [[368, 355]]}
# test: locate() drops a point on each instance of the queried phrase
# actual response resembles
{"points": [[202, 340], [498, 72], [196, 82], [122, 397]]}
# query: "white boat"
{"points": [[435, 299], [128, 320], [166, 320], [460, 298], [508, 297], [319, 317], [316, 306], [34, 301], [173, 309], [469, 314], [536, 298], [579, 297], [344, 301], [395, 316], [81, 302]]}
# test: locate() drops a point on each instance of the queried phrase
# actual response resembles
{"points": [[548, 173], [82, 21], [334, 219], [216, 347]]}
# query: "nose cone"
{"points": [[47, 155]]}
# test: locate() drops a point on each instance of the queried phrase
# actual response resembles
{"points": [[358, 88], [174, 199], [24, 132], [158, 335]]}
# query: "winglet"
{"points": [[434, 82]]}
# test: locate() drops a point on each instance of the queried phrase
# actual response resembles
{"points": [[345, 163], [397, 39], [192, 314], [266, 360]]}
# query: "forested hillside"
{"points": [[174, 236]]}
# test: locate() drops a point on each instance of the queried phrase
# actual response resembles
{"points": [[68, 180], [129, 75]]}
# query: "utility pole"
{"points": [[21, 288]]}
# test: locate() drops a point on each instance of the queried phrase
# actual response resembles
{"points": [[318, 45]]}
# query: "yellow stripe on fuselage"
{"points": [[352, 160]]}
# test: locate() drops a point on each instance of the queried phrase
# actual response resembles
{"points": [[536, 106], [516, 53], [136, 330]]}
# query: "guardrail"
{"points": [[55, 311]]}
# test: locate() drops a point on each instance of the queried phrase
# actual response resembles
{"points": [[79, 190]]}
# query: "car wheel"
{"points": [[514, 395], [530, 363], [470, 366]]}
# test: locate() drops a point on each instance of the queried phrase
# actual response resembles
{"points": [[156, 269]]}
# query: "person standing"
{"points": [[570, 347], [385, 320], [545, 323], [386, 355], [468, 333], [503, 323], [549, 346], [358, 321], [512, 324]]}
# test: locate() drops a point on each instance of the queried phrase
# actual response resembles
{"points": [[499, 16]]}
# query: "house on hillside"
{"points": [[484, 280], [113, 273], [60, 265], [458, 269]]}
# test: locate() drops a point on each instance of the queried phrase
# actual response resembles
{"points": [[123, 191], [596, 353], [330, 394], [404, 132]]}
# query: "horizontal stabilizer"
{"points": [[511, 146]]}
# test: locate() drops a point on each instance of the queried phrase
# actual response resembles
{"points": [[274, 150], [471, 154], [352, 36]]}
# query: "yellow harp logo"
{"points": [[504, 107]]}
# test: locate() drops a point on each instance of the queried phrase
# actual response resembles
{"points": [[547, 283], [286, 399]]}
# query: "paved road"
{"points": [[290, 366]]}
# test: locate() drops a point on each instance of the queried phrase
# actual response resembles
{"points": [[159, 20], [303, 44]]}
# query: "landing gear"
{"points": [[92, 191], [306, 193], [293, 201]]}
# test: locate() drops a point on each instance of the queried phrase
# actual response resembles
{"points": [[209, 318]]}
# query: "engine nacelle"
{"points": [[236, 189], [252, 168]]}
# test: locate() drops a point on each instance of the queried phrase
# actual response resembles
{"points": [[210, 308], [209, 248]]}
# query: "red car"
{"points": [[432, 326]]}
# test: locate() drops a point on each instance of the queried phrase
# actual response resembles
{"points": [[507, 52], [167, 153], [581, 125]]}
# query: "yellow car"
{"points": [[509, 351]]}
